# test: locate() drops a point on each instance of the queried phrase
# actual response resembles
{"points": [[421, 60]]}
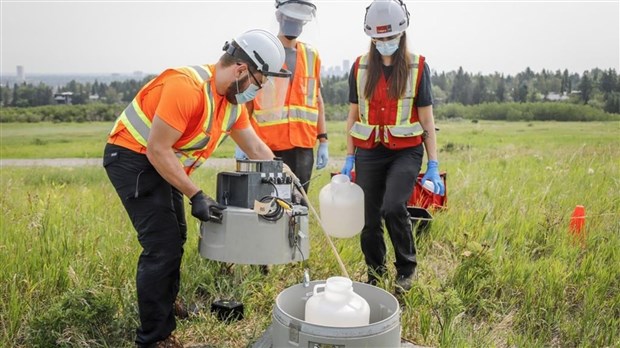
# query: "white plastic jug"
{"points": [[337, 305], [341, 203]]}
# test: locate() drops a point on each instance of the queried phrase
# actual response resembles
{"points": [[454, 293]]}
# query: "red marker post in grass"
{"points": [[577, 223]]}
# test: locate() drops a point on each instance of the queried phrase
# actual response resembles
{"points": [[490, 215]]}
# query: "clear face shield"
{"points": [[270, 99], [297, 20], [294, 19]]}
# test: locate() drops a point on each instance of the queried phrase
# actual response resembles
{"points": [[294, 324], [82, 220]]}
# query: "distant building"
{"points": [[336, 71], [21, 74], [63, 98], [552, 96], [346, 65]]}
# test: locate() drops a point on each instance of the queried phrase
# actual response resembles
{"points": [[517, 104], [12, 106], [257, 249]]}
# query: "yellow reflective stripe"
{"points": [[362, 102], [191, 144], [223, 137], [311, 87], [304, 56], [232, 114], [189, 163], [296, 113], [189, 71], [136, 122], [202, 72], [403, 110], [208, 108], [116, 123], [200, 141], [199, 73], [310, 57], [408, 130], [302, 113], [362, 131], [406, 104], [301, 120], [226, 118], [273, 123], [415, 70], [270, 115]]}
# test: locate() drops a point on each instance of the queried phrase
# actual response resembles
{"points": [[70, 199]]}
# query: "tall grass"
{"points": [[497, 268]]}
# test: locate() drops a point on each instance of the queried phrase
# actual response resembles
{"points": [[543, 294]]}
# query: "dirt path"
{"points": [[81, 162]]}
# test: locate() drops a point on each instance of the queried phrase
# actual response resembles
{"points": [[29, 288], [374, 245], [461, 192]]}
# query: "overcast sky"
{"points": [[481, 36]]}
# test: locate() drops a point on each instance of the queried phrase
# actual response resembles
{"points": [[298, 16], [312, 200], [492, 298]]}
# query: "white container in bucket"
{"points": [[338, 305], [289, 329], [342, 207]]}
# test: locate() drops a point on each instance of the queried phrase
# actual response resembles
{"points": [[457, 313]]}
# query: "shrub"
{"points": [[61, 113], [81, 318], [536, 111]]}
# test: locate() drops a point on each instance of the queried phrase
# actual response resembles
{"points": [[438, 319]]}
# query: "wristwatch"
{"points": [[322, 136]]}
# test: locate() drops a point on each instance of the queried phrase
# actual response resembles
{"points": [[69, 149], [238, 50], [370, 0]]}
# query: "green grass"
{"points": [[497, 268]]}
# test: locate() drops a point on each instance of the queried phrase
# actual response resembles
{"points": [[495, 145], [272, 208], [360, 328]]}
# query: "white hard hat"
{"points": [[386, 18], [262, 50], [303, 10]]}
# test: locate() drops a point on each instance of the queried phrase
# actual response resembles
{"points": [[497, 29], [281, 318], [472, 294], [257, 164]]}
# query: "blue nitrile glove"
{"points": [[322, 156], [239, 154], [349, 162], [432, 175]]}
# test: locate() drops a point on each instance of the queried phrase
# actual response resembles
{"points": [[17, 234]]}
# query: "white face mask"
{"points": [[247, 95], [387, 48]]}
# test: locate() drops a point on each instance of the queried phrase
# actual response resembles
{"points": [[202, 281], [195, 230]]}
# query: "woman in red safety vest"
{"points": [[390, 124]]}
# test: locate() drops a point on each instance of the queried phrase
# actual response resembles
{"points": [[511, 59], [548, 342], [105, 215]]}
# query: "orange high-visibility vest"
{"points": [[391, 122], [294, 125], [191, 151]]}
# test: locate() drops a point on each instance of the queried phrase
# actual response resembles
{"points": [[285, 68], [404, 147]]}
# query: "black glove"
{"points": [[205, 208]]}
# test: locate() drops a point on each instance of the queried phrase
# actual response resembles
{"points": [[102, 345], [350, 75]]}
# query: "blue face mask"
{"points": [[291, 27], [248, 95], [387, 48]]}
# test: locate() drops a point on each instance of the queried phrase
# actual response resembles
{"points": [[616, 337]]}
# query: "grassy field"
{"points": [[497, 268]]}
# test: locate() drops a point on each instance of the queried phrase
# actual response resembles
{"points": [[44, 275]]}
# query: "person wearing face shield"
{"points": [[390, 124], [175, 122], [293, 128]]}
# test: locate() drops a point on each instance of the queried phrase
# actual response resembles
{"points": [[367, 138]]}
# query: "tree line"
{"points": [[27, 94], [591, 95], [596, 87]]}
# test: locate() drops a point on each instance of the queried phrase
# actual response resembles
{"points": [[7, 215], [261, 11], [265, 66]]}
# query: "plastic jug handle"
{"points": [[316, 287]]}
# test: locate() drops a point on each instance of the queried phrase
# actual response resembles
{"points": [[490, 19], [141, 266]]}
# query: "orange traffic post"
{"points": [[578, 222]]}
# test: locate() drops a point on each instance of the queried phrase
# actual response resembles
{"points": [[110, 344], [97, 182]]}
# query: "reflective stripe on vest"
{"points": [[309, 59], [402, 127], [190, 154], [307, 113]]}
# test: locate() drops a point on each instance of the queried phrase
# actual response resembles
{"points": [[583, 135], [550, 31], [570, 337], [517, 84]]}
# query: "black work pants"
{"points": [[300, 160], [157, 213], [387, 178]]}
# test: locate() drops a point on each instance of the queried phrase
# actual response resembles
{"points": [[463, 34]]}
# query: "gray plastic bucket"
{"points": [[289, 329]]}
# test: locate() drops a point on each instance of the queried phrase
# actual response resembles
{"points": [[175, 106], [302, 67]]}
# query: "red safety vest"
{"points": [[391, 122], [294, 124]]}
